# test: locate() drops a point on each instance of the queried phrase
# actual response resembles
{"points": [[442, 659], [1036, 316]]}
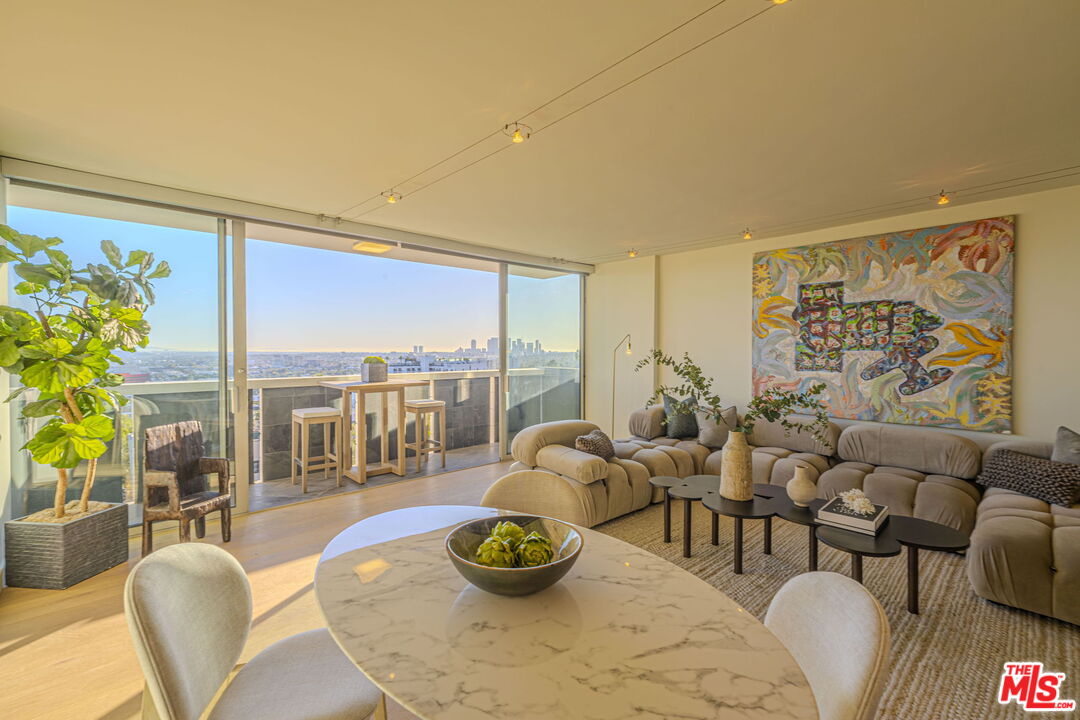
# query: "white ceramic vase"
{"points": [[801, 489], [736, 468]]}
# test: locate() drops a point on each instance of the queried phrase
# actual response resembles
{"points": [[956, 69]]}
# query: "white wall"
{"points": [[620, 298], [704, 304]]}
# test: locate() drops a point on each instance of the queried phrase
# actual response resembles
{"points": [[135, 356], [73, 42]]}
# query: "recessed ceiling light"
{"points": [[632, 253], [747, 235], [391, 196], [943, 199], [368, 246]]}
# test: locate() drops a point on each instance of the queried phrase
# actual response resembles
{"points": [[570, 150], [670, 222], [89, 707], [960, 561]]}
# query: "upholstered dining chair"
{"points": [[838, 633], [188, 608]]}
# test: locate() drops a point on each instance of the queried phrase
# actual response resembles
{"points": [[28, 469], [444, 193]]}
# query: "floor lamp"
{"points": [[614, 356]]}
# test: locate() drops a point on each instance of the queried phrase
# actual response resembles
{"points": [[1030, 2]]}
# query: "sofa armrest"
{"points": [[647, 422], [581, 466], [1027, 447]]}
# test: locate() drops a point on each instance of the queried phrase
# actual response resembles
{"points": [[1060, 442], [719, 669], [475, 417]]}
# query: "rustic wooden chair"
{"points": [[176, 486]]}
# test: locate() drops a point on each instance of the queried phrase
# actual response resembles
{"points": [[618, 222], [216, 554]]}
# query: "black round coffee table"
{"points": [[759, 507], [666, 482], [898, 531], [694, 487]]}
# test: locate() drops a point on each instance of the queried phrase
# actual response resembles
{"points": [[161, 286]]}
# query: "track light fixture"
{"points": [[632, 253], [518, 132], [943, 199], [391, 196], [747, 235]]}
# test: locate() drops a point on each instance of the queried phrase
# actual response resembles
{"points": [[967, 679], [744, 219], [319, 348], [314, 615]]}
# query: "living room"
{"points": [[605, 360]]}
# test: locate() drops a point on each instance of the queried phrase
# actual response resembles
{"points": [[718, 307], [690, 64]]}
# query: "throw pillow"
{"points": [[1054, 482], [680, 424], [1067, 446], [596, 443], [713, 434]]}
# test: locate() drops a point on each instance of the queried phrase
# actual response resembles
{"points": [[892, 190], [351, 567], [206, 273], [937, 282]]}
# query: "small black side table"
{"points": [[858, 545], [666, 482], [694, 488], [757, 508], [916, 534]]}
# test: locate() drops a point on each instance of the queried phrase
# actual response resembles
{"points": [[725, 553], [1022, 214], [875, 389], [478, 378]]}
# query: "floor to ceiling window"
{"points": [[178, 377], [543, 354], [317, 308]]}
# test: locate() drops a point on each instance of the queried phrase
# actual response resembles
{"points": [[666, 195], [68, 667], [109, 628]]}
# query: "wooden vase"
{"points": [[801, 489], [736, 468]]}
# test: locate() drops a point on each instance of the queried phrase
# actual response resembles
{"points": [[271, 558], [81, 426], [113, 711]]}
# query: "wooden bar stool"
{"points": [[423, 409], [302, 422]]}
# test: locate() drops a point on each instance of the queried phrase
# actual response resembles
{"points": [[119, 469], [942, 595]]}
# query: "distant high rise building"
{"points": [[418, 349], [529, 348], [493, 346], [539, 347], [473, 345]]}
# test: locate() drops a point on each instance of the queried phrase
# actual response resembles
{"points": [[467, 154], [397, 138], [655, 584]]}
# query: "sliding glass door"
{"points": [[182, 375], [542, 347]]}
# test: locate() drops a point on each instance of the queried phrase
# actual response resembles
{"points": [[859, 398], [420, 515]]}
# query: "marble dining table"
{"points": [[625, 634]]}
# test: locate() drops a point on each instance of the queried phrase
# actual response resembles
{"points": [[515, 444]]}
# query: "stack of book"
{"points": [[836, 514]]}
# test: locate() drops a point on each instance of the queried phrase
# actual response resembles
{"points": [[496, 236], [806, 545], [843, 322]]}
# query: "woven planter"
{"points": [[54, 556], [373, 372]]}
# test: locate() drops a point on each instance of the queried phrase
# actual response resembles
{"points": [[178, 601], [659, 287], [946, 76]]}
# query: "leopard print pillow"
{"points": [[596, 443]]}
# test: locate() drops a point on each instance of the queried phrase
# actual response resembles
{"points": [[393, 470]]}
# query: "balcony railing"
{"points": [[473, 419]]}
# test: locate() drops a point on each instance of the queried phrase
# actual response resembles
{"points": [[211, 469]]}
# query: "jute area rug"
{"points": [[946, 661]]}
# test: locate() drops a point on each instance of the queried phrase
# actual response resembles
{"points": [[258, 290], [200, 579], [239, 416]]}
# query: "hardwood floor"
{"points": [[66, 654]]}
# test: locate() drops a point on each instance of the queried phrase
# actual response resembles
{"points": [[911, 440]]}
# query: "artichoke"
{"points": [[534, 550], [495, 552], [510, 532]]}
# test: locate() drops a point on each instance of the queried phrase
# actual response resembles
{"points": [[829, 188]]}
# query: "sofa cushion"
{"points": [[774, 434], [529, 441], [1054, 482], [580, 466], [927, 451], [647, 422], [679, 424], [595, 443], [1066, 446], [713, 433]]}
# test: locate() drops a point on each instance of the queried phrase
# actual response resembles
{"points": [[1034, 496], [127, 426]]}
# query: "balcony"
{"points": [[472, 422]]}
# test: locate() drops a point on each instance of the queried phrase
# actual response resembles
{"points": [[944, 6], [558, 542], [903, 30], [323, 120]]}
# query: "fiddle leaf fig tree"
{"points": [[63, 346]]}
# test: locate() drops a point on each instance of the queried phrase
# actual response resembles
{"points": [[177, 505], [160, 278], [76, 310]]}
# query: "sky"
{"points": [[309, 299]]}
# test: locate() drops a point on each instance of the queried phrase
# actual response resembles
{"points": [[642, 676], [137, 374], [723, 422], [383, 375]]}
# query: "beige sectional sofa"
{"points": [[1025, 552], [923, 473], [777, 451]]}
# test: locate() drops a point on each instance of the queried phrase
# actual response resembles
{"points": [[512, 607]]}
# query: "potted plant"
{"points": [[373, 369], [773, 405], [692, 394], [61, 350]]}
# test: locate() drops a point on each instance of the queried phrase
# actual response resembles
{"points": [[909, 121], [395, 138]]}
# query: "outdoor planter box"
{"points": [[55, 556], [373, 372]]}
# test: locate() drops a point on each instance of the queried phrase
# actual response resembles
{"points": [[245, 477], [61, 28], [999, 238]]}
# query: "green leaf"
{"points": [[54, 375], [87, 448], [98, 426], [8, 233], [26, 288], [7, 255], [161, 271], [37, 274], [59, 259], [135, 257], [14, 394], [29, 245], [112, 253], [42, 408], [9, 352]]}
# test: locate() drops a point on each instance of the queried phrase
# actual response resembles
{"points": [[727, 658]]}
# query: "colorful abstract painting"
{"points": [[911, 327]]}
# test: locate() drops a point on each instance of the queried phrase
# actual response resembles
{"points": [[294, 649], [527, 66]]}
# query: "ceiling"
{"points": [[809, 114]]}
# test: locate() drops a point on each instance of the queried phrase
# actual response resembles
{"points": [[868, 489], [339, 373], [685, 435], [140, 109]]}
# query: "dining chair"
{"points": [[839, 635], [188, 609]]}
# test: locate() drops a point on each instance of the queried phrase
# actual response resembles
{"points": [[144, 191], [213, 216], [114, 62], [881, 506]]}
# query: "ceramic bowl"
{"points": [[462, 542]]}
